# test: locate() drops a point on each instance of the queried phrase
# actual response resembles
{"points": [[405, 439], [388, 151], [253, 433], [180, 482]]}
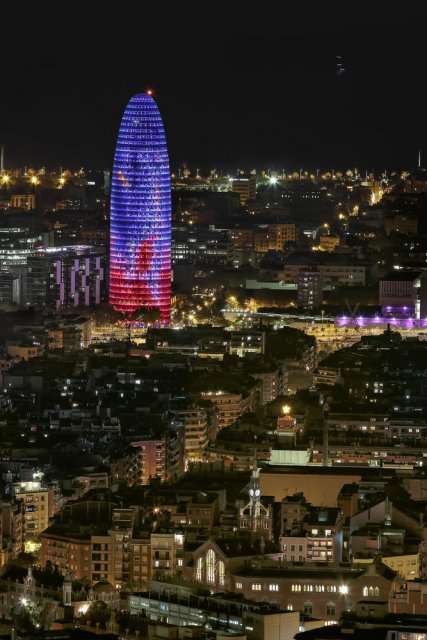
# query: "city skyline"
{"points": [[213, 311]]}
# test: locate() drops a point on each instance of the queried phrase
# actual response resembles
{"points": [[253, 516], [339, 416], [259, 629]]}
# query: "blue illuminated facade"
{"points": [[140, 227]]}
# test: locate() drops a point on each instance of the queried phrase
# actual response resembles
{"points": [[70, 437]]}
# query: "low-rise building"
{"points": [[227, 613], [319, 592]]}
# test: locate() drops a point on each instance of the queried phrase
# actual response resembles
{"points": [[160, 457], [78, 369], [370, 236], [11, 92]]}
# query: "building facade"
{"points": [[403, 292], [322, 593], [195, 421], [38, 506], [140, 228], [66, 277], [310, 289], [245, 186]]}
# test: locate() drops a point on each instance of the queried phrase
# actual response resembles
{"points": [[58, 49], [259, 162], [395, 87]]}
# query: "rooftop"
{"points": [[401, 275]]}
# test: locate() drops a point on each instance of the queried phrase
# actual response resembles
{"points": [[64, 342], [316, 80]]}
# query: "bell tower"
{"points": [[254, 516]]}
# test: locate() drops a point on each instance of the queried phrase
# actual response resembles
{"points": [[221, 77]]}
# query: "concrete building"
{"points": [[17, 242], [319, 592], [411, 598], [283, 233], [69, 552], [335, 269], [12, 529], [401, 223], [310, 289], [66, 277], [176, 603], [245, 185], [271, 385], [264, 241], [195, 421], [324, 535], [319, 485], [38, 505], [406, 564], [329, 243], [162, 457], [25, 201], [310, 534], [403, 292], [97, 539], [99, 553], [23, 351], [229, 406], [140, 560], [164, 548], [293, 510], [242, 237], [246, 342]]}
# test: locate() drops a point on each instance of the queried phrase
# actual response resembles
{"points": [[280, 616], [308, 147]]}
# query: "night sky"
{"points": [[236, 87]]}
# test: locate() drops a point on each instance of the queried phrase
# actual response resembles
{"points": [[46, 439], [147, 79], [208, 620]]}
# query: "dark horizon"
{"points": [[233, 91]]}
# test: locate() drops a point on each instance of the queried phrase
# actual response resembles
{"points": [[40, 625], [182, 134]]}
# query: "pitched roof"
{"points": [[242, 547]]}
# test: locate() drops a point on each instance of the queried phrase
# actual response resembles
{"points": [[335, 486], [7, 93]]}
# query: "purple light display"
{"points": [[140, 226], [370, 321]]}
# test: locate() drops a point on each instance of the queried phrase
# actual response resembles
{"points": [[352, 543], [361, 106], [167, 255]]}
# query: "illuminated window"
{"points": [[199, 569], [256, 587], [239, 585], [210, 566], [273, 587], [330, 609], [221, 573]]}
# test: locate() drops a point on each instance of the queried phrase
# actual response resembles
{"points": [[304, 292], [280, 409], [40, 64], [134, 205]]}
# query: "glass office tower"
{"points": [[140, 226]]}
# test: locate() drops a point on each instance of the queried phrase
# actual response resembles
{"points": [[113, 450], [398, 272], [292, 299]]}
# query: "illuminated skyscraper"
{"points": [[140, 227]]}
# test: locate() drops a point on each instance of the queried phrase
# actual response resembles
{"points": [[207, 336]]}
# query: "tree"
{"points": [[29, 615], [24, 559], [147, 315], [97, 612]]}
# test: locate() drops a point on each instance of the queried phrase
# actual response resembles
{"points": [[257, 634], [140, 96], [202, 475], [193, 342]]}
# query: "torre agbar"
{"points": [[140, 227]]}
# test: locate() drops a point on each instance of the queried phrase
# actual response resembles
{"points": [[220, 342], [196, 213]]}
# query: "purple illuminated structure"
{"points": [[140, 227], [396, 319]]}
